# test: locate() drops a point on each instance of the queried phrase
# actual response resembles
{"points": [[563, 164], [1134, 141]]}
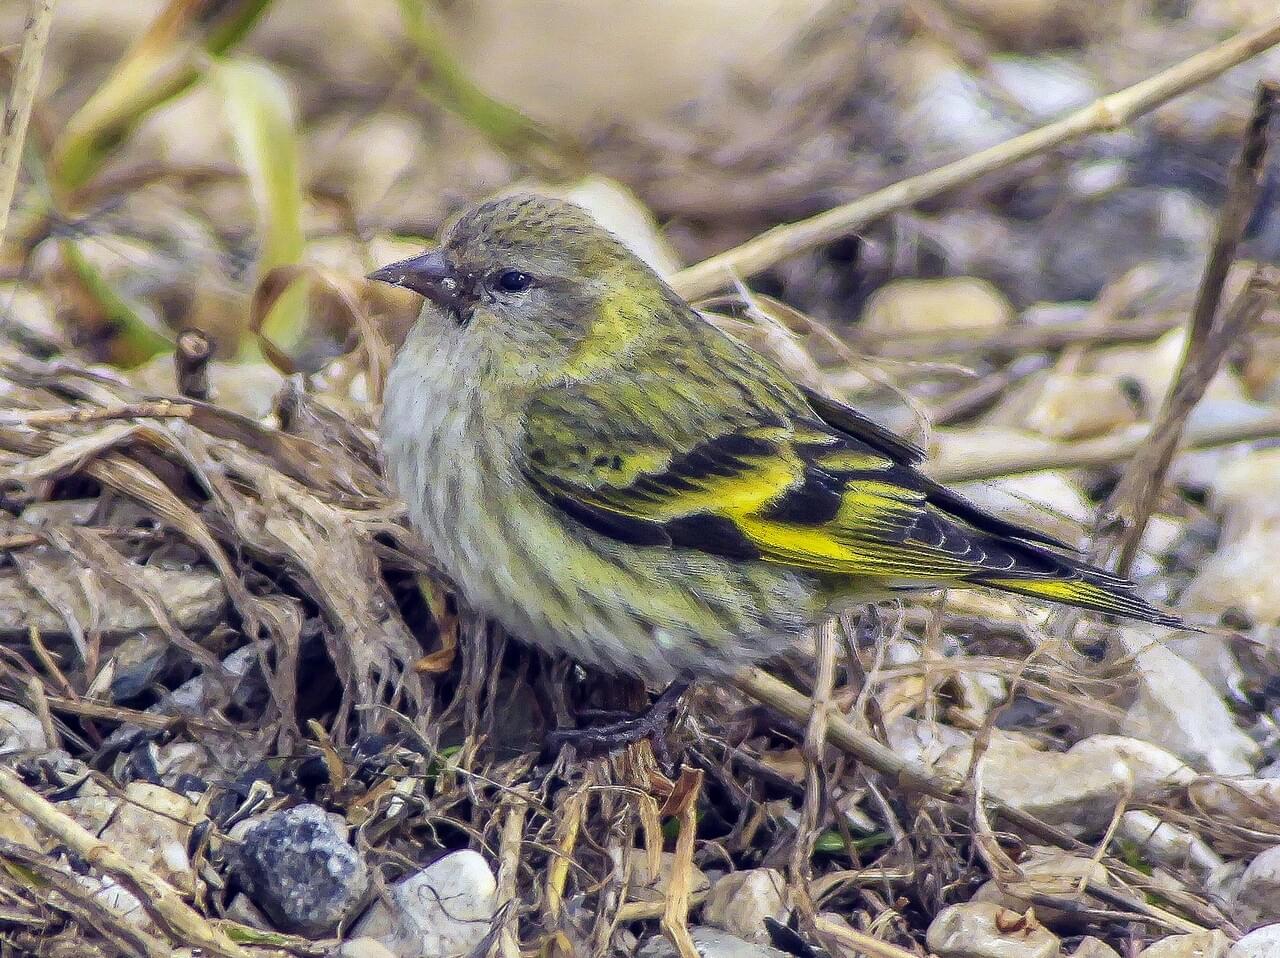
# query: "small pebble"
{"points": [[1258, 896], [298, 868], [710, 943], [20, 731], [1208, 944], [741, 901], [441, 911], [987, 930]]}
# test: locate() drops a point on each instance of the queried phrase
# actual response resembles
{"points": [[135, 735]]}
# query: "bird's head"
{"points": [[536, 275]]}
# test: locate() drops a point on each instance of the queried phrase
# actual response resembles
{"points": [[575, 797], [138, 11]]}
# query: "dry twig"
{"points": [[507, 943], [159, 897], [815, 785], [764, 688], [675, 916], [1103, 451], [191, 356], [1108, 113], [17, 111], [1209, 338]]}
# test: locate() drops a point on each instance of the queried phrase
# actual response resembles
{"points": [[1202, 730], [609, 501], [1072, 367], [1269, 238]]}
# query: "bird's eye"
{"points": [[514, 281]]}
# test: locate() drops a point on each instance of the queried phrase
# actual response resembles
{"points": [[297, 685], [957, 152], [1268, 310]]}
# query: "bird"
{"points": [[609, 475]]}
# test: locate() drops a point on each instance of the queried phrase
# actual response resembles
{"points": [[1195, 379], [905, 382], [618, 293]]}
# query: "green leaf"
{"points": [[1131, 854], [260, 114], [162, 64], [135, 341], [447, 84], [833, 843]]}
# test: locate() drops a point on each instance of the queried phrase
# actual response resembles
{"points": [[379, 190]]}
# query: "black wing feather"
{"points": [[847, 420]]}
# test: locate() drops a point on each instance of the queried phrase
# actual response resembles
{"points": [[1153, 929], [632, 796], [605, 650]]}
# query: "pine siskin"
{"points": [[609, 475]]}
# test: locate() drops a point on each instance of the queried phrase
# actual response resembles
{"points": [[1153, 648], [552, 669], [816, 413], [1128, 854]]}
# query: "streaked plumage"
{"points": [[608, 474]]}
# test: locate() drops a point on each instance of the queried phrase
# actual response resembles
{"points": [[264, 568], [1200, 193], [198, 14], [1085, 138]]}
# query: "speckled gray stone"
{"points": [[298, 868]]}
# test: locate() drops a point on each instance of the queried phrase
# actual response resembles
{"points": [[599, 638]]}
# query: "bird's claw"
{"points": [[612, 736]]}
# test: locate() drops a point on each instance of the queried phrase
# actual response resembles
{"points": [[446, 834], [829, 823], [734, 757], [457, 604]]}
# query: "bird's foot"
{"points": [[615, 731]]}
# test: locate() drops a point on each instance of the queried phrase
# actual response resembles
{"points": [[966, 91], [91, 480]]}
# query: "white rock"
{"points": [[585, 64], [1213, 658], [618, 210], [1081, 787], [930, 743], [1155, 770], [1045, 871], [642, 886], [1262, 942], [1034, 24], [1045, 87], [18, 828], [1251, 477], [926, 305], [710, 943], [986, 930], [1166, 843], [948, 112], [365, 948], [151, 827], [976, 694], [249, 388], [1079, 406], [1223, 883], [1238, 574], [91, 811], [1258, 897], [1091, 947], [1207, 944], [1155, 365], [741, 901], [243, 910], [442, 911], [1078, 788], [1240, 798], [1178, 709], [20, 731], [31, 313], [108, 893], [956, 448]]}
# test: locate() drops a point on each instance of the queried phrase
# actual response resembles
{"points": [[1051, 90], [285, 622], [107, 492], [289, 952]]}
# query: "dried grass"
{"points": [[323, 658]]}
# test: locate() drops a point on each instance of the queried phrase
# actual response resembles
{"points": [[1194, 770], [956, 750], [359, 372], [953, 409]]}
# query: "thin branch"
{"points": [[1134, 498], [44, 418], [191, 357], [17, 112], [1107, 113], [675, 916], [787, 701], [763, 687], [857, 941], [159, 897], [1210, 336], [930, 344], [1104, 451], [816, 791], [507, 943]]}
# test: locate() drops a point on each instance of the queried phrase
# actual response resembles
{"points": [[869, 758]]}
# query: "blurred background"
{"points": [[188, 595], [181, 151]]}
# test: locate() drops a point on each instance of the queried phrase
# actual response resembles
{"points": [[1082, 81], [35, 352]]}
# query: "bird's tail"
{"points": [[1093, 589]]}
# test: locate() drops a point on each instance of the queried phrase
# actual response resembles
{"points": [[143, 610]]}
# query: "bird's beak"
{"points": [[428, 275]]}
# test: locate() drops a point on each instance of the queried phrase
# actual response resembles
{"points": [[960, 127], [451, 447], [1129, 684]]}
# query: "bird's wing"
{"points": [[732, 460], [740, 464]]}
